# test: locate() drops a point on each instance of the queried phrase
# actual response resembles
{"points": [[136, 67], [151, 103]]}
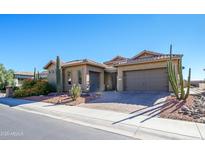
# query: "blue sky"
{"points": [[28, 41]]}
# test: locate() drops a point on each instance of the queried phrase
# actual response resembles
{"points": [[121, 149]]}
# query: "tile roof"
{"points": [[24, 73], [149, 52], [139, 58], [150, 59], [116, 58], [49, 63], [82, 61]]}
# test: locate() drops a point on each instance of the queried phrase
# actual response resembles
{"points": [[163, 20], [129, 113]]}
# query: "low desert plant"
{"points": [[75, 92]]}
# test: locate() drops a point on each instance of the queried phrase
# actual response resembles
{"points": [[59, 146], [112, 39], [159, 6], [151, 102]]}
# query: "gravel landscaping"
{"points": [[56, 99], [191, 110]]}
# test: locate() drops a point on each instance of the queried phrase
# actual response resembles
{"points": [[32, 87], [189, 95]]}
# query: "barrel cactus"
{"points": [[75, 92]]}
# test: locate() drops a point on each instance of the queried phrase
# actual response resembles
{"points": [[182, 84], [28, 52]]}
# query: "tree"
{"points": [[10, 78], [2, 76], [58, 75], [38, 76], [6, 77]]}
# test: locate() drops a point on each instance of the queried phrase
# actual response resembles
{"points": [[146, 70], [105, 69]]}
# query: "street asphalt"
{"points": [[21, 125]]}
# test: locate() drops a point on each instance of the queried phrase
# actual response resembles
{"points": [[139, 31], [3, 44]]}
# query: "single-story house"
{"points": [[146, 71], [20, 76], [43, 75]]}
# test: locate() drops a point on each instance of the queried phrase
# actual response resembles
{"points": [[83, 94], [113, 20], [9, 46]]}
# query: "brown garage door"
{"points": [[94, 81], [146, 80]]}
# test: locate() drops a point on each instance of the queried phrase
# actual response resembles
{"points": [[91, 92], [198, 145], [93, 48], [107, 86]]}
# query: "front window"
{"points": [[79, 77], [69, 78]]}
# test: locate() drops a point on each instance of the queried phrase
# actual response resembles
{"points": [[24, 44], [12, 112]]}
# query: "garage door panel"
{"points": [[94, 81], [155, 79]]}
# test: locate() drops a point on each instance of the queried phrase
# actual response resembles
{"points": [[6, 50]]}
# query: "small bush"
{"points": [[33, 88], [75, 92], [16, 88], [19, 93], [43, 87], [28, 83]]}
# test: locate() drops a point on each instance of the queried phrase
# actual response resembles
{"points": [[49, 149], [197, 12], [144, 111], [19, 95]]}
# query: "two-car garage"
{"points": [[146, 80]]}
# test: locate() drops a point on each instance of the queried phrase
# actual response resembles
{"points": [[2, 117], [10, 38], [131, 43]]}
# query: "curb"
{"points": [[98, 124], [4, 105], [135, 132]]}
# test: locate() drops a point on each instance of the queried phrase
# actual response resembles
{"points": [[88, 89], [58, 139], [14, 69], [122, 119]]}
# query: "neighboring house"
{"points": [[44, 75], [196, 83], [20, 76], [147, 71]]}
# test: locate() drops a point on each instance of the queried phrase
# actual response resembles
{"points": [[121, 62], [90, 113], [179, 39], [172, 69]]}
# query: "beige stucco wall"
{"points": [[85, 76], [153, 65], [52, 75], [74, 76]]}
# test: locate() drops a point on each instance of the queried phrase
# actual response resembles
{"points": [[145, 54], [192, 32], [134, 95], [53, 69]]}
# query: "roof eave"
{"points": [[146, 51], [82, 63], [113, 59], [141, 62], [48, 64]]}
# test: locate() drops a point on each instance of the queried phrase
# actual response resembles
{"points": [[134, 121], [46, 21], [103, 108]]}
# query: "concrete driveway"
{"points": [[143, 98]]}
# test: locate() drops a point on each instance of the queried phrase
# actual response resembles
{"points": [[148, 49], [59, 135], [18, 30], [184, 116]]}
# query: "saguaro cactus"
{"points": [[58, 75], [38, 76], [178, 85], [34, 74]]}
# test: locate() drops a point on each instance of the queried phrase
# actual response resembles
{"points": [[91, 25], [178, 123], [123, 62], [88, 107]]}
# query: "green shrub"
{"points": [[15, 88], [42, 87], [75, 92], [33, 88], [28, 83], [19, 93]]}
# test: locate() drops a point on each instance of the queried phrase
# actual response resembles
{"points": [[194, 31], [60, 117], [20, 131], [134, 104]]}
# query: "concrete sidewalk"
{"points": [[133, 125]]}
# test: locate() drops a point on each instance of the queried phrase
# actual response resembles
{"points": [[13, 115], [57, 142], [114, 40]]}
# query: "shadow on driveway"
{"points": [[154, 102], [151, 112], [14, 102]]}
